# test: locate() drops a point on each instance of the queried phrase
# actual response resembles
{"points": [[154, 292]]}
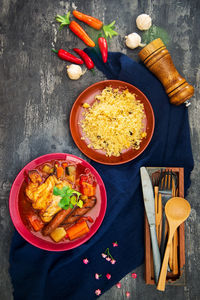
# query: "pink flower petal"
{"points": [[103, 255], [108, 258], [108, 276], [85, 261], [98, 292], [115, 244], [134, 275], [118, 285], [128, 294], [113, 261], [97, 276]]}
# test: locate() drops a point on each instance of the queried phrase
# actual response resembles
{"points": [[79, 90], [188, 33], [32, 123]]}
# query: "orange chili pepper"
{"points": [[91, 21], [80, 32], [76, 28]]}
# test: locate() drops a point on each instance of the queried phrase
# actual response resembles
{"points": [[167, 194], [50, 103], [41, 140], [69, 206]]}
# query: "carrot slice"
{"points": [[77, 230], [59, 171], [35, 221], [87, 189]]}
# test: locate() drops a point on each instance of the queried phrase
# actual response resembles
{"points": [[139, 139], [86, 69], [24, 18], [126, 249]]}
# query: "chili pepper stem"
{"points": [[55, 51], [93, 72], [64, 20]]}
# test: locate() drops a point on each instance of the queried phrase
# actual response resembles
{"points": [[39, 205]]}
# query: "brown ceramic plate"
{"points": [[88, 96]]}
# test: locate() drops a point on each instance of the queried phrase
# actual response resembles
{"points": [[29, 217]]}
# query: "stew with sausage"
{"points": [[57, 200]]}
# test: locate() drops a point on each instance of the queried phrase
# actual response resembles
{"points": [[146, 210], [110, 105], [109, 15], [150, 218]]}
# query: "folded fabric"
{"points": [[39, 274]]}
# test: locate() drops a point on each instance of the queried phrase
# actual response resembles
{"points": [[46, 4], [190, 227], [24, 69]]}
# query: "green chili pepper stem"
{"points": [[93, 71], [55, 51], [64, 20]]}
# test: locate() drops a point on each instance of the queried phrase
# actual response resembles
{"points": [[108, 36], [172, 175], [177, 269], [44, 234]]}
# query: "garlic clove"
{"points": [[133, 40], [142, 45], [143, 22], [74, 72]]}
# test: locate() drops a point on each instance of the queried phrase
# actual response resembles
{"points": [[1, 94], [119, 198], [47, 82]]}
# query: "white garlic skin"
{"points": [[133, 40], [143, 22], [74, 72]]}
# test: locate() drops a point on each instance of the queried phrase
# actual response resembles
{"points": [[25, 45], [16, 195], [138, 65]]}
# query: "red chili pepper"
{"points": [[83, 178], [68, 56], [103, 46], [88, 62], [88, 218]]}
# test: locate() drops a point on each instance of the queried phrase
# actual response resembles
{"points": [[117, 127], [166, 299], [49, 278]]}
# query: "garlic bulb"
{"points": [[143, 22], [74, 71], [133, 40]]}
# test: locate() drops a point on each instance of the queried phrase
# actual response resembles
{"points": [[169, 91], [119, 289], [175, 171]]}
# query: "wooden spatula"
{"points": [[177, 211]]}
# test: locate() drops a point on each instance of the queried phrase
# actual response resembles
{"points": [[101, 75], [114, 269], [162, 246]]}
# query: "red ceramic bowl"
{"points": [[37, 240], [88, 96]]}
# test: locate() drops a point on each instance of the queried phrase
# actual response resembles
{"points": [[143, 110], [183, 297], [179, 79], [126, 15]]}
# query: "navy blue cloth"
{"points": [[43, 275]]}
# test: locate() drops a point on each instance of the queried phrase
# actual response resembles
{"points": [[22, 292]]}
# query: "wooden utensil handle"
{"points": [[162, 245], [175, 253], [171, 255], [163, 272], [160, 219], [156, 209]]}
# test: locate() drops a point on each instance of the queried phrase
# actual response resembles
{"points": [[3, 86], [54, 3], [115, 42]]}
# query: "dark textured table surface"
{"points": [[36, 97]]}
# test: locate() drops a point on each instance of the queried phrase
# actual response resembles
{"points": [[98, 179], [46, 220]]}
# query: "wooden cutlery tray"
{"points": [[172, 279]]}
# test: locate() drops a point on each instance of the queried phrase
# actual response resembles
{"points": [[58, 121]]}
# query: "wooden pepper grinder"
{"points": [[158, 60]]}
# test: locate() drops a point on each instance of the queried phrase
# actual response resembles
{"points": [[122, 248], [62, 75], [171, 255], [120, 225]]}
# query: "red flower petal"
{"points": [[118, 285], [85, 261], [108, 276], [134, 275], [128, 294]]}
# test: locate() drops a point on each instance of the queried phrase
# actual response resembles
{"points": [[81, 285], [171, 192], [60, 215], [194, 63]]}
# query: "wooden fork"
{"points": [[158, 214]]}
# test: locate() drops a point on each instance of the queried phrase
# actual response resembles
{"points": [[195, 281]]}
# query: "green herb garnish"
{"points": [[153, 33], [108, 30], [69, 197]]}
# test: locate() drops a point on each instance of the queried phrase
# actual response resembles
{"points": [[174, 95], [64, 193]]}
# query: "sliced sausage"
{"points": [[56, 221], [78, 212]]}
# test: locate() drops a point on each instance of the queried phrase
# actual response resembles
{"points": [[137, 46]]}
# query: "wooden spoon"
{"points": [[177, 210]]}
